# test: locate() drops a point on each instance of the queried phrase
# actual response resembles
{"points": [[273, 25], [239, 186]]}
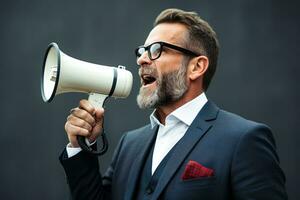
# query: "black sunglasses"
{"points": [[155, 49]]}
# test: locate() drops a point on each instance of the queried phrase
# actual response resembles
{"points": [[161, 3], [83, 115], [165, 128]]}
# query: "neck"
{"points": [[163, 111]]}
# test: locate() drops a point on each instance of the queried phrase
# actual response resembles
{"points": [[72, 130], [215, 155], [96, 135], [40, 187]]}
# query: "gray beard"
{"points": [[170, 88]]}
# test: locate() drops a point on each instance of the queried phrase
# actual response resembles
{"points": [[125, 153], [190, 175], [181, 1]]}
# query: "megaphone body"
{"points": [[62, 73]]}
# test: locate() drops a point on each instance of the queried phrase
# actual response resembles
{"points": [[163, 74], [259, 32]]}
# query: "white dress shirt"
{"points": [[176, 124], [72, 151]]}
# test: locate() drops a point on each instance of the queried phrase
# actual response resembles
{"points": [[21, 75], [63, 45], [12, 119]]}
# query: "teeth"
{"points": [[147, 79]]}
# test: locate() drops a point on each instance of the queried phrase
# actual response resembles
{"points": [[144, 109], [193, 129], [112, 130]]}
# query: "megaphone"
{"points": [[62, 73]]}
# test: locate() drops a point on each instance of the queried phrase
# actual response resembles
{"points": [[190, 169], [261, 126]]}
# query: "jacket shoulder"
{"points": [[237, 127], [232, 120]]}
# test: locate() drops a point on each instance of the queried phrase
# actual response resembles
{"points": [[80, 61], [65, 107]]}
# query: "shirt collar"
{"points": [[185, 113]]}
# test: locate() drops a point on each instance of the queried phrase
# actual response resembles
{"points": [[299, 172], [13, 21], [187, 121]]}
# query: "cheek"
{"points": [[160, 68], [167, 67]]}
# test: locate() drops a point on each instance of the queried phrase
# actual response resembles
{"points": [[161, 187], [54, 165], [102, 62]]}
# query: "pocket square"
{"points": [[194, 169]]}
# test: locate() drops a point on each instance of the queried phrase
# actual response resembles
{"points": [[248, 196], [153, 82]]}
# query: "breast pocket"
{"points": [[200, 182]]}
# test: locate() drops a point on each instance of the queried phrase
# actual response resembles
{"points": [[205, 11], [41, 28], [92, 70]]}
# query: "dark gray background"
{"points": [[257, 77]]}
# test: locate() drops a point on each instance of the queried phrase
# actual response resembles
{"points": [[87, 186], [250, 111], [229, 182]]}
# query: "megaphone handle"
{"points": [[97, 100]]}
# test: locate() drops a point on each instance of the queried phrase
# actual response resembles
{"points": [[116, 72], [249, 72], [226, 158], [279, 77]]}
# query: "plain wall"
{"points": [[257, 77]]}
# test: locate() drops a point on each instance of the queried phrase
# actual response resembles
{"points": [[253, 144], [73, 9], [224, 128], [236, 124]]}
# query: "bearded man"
{"points": [[191, 149]]}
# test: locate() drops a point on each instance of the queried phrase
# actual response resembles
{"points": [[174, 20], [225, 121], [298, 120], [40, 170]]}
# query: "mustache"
{"points": [[148, 70]]}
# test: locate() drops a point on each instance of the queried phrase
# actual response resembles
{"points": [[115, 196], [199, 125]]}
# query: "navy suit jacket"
{"points": [[242, 154]]}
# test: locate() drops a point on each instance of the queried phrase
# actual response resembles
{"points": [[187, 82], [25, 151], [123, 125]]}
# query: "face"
{"points": [[163, 80]]}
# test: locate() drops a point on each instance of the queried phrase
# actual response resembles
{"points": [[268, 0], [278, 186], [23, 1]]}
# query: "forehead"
{"points": [[167, 32]]}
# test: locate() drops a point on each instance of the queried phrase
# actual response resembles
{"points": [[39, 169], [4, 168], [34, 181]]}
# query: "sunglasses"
{"points": [[155, 49]]}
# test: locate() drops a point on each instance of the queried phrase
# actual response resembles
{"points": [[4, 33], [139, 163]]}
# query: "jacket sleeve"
{"points": [[255, 172], [84, 178]]}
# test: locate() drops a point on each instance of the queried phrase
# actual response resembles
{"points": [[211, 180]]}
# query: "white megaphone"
{"points": [[62, 73]]}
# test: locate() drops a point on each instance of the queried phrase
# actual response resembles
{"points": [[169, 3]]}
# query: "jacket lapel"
{"points": [[195, 132], [143, 148]]}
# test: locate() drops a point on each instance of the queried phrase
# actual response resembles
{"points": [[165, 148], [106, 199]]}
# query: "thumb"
{"points": [[99, 114]]}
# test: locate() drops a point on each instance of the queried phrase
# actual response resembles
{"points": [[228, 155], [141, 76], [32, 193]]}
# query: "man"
{"points": [[191, 149]]}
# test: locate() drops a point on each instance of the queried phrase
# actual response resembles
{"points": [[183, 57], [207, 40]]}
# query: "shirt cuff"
{"points": [[72, 151]]}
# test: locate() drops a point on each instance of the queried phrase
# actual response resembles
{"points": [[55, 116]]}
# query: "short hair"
{"points": [[201, 37]]}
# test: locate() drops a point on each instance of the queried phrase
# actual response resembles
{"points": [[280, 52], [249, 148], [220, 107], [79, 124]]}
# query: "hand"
{"points": [[86, 121]]}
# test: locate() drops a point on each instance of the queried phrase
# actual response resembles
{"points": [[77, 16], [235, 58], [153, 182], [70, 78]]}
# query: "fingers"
{"points": [[87, 106], [73, 131], [99, 114], [78, 113], [84, 120], [81, 122]]}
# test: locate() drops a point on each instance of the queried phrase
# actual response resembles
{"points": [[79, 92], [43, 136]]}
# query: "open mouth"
{"points": [[147, 79]]}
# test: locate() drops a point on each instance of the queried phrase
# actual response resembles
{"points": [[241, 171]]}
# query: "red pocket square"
{"points": [[196, 170]]}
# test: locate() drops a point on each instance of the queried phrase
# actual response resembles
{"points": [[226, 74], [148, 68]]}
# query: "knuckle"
{"points": [[84, 114], [69, 118], [66, 126], [85, 105], [82, 123], [86, 125], [73, 110], [93, 121], [70, 129], [82, 102], [85, 132], [72, 120]]}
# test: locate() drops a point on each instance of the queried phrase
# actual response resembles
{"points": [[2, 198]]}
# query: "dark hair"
{"points": [[201, 37]]}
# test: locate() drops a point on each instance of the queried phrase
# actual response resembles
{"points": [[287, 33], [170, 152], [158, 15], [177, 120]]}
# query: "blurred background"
{"points": [[257, 77]]}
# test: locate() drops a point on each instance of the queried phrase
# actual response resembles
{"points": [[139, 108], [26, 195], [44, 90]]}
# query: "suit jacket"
{"points": [[241, 153]]}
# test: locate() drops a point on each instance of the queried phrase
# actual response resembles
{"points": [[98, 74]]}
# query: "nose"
{"points": [[143, 59]]}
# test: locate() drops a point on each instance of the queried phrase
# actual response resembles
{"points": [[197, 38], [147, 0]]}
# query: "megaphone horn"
{"points": [[62, 73]]}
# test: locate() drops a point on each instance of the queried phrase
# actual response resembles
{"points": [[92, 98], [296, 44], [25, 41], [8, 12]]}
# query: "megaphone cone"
{"points": [[62, 73]]}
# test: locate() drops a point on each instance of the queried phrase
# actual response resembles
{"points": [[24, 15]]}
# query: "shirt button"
{"points": [[149, 190]]}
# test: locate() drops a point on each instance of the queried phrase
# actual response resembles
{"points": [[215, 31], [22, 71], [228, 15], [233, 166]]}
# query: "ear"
{"points": [[199, 65]]}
